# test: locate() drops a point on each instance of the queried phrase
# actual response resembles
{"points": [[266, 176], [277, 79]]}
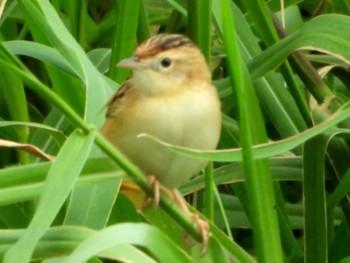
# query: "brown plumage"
{"points": [[169, 96], [175, 103], [160, 43]]}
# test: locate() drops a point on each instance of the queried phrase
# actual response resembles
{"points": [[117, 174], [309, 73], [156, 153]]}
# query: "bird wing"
{"points": [[117, 99]]}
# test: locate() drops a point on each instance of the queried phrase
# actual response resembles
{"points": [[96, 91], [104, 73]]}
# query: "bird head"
{"points": [[165, 62]]}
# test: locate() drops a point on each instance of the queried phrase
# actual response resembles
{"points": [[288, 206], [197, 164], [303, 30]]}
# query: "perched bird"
{"points": [[169, 96]]}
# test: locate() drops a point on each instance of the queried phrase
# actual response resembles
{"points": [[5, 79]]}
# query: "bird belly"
{"points": [[189, 126]]}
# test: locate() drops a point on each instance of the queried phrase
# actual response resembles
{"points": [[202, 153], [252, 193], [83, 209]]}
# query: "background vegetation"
{"points": [[277, 191]]}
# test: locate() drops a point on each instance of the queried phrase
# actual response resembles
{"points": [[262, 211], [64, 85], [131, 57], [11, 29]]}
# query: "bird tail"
{"points": [[134, 193]]}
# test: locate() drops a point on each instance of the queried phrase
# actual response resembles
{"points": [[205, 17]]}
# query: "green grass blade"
{"points": [[263, 150], [82, 209], [45, 21], [315, 240], [152, 239], [127, 13], [258, 178], [12, 90], [340, 192], [60, 180], [276, 102], [199, 23], [177, 7], [41, 52], [259, 14]]}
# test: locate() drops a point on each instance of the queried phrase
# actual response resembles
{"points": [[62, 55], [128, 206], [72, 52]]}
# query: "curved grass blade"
{"points": [[41, 52], [261, 150], [60, 180], [142, 235]]}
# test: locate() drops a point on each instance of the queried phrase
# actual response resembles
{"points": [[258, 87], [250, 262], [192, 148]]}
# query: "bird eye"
{"points": [[166, 62]]}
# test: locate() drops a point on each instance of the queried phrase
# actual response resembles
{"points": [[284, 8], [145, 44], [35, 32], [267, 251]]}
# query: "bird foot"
{"points": [[157, 187], [173, 194], [201, 224]]}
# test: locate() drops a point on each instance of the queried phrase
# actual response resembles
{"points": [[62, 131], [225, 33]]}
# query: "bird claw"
{"points": [[200, 223], [203, 227], [156, 186]]}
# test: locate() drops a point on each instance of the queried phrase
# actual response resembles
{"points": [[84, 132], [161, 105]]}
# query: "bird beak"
{"points": [[132, 63]]}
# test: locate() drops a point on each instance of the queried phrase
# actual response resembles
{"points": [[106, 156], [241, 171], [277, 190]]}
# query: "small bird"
{"points": [[169, 96]]}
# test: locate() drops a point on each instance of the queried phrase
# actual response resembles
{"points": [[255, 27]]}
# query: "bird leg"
{"points": [[156, 186], [173, 194], [201, 224]]}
